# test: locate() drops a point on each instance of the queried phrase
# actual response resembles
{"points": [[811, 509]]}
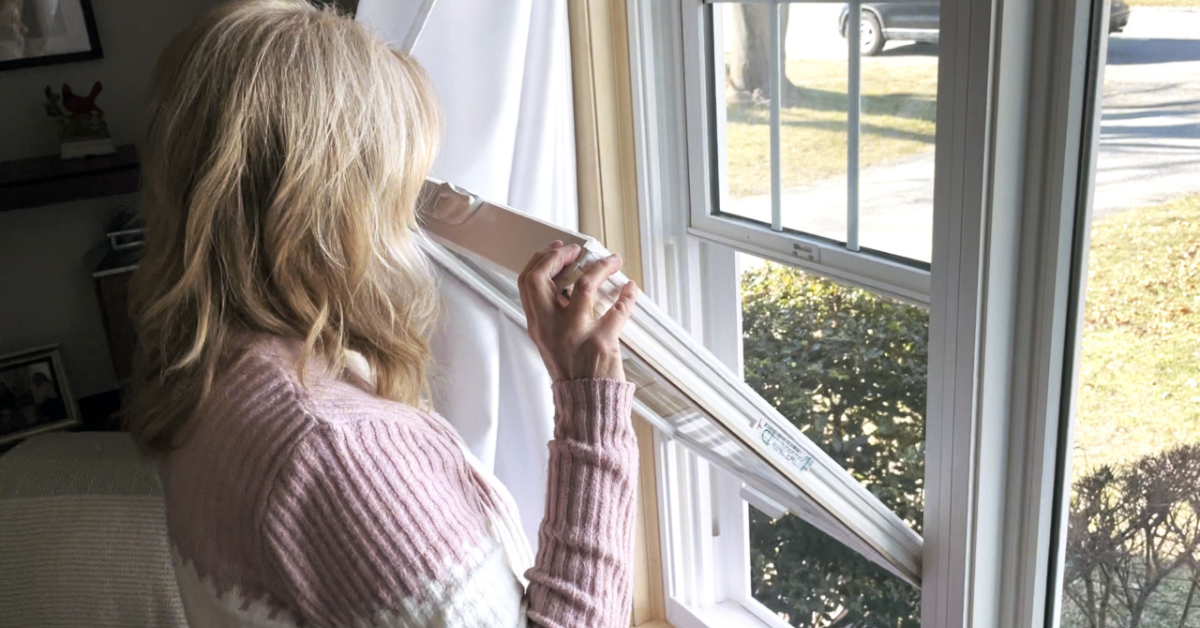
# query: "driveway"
{"points": [[1150, 130], [1149, 140]]}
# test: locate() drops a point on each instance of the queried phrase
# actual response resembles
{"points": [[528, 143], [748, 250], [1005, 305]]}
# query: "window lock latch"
{"points": [[806, 251]]}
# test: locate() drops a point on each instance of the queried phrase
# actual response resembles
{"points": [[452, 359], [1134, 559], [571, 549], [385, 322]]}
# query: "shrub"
{"points": [[848, 369], [1132, 543]]}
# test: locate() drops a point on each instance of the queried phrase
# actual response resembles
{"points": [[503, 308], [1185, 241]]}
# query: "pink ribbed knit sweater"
{"points": [[324, 505]]}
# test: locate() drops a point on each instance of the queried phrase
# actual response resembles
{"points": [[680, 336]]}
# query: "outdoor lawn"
{"points": [[1133, 534], [1141, 341], [1139, 390], [899, 93]]}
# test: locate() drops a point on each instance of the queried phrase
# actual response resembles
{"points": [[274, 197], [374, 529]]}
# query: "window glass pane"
{"points": [[812, 117], [813, 131], [896, 91], [1134, 524], [746, 125], [809, 579], [848, 368], [899, 93]]}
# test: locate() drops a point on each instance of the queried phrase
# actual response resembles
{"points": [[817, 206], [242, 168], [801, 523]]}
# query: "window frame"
{"points": [[847, 263], [1004, 297]]}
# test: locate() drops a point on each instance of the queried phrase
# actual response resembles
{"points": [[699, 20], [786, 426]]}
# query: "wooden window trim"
{"points": [[608, 210]]}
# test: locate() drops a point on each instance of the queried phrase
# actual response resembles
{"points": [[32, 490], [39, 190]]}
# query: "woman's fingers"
{"points": [[583, 295], [572, 342], [537, 282], [554, 261], [525, 281], [533, 260], [613, 321]]}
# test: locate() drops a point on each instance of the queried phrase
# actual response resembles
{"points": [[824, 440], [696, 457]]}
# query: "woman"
{"points": [[283, 313]]}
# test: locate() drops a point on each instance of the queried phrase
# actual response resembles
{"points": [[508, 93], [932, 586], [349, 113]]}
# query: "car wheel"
{"points": [[870, 35]]}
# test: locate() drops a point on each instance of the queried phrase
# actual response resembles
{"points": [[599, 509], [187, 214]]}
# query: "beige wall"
{"points": [[46, 293]]}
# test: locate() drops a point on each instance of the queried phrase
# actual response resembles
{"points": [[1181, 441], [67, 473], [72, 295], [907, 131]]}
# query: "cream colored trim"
{"points": [[608, 211], [604, 144], [649, 603]]}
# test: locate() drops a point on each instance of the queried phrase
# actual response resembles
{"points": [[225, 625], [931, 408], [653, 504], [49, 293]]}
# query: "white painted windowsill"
{"points": [[723, 615]]}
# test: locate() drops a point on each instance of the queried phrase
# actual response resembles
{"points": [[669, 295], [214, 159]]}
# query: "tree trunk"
{"points": [[1187, 606], [750, 27]]}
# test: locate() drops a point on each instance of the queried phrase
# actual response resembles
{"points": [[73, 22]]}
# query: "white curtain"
{"points": [[503, 73]]}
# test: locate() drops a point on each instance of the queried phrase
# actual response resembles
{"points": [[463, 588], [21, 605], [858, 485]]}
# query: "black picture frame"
{"points": [[29, 407], [95, 51]]}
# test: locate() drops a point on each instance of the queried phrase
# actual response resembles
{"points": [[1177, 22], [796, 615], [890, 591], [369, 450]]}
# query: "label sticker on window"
{"points": [[784, 447]]}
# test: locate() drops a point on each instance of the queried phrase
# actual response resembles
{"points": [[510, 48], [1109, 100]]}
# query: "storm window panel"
{"points": [[682, 389]]}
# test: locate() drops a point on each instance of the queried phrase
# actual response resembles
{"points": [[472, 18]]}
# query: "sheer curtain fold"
{"points": [[503, 74]]}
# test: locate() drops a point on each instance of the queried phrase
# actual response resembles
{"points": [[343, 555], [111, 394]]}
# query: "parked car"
{"points": [[918, 22]]}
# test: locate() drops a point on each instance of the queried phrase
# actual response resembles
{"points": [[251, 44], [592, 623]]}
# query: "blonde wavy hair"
{"points": [[285, 150]]}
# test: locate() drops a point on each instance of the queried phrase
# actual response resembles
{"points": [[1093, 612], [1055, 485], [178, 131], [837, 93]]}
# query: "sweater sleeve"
{"points": [[582, 575]]}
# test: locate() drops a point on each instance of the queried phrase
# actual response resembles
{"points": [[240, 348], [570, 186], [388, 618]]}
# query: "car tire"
{"points": [[872, 40]]}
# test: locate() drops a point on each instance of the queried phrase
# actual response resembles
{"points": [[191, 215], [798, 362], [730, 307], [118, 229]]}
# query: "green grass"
{"points": [[899, 95], [1140, 379], [1139, 392]]}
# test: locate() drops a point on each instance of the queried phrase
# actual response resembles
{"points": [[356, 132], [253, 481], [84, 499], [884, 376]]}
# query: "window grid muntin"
{"points": [[779, 243]]}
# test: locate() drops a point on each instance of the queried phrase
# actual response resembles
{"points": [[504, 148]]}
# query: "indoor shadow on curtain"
{"points": [[503, 73]]}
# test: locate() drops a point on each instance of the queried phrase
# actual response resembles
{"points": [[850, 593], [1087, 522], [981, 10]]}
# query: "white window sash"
{"points": [[1012, 154], [698, 283], [877, 273], [881, 273], [1003, 304], [1048, 504], [683, 389], [693, 281]]}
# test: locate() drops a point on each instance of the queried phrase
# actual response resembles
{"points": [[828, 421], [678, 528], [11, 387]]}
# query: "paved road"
{"points": [[1149, 144], [1150, 131]]}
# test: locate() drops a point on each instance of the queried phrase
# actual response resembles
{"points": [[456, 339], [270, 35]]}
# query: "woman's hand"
{"points": [[574, 343]]}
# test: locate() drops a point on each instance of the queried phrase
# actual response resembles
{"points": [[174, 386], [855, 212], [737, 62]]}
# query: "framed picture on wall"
{"points": [[44, 32], [34, 395]]}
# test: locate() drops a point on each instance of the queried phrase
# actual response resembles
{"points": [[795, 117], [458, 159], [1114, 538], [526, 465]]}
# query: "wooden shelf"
{"points": [[48, 180]]}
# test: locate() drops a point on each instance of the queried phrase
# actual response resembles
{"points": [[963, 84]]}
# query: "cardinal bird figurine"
{"points": [[81, 105], [82, 125]]}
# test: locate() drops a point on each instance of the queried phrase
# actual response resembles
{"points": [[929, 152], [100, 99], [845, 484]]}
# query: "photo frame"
{"points": [[34, 394], [46, 32]]}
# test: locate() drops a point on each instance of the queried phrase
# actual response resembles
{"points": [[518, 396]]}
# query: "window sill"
{"points": [[723, 615]]}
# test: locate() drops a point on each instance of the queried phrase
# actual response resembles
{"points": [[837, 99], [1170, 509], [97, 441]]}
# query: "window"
{"points": [[1131, 487], [825, 170], [818, 157], [830, 331], [848, 368], [682, 389], [1016, 120]]}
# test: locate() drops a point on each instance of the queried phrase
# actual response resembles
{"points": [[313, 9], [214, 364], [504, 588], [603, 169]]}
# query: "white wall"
{"points": [[46, 294]]}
